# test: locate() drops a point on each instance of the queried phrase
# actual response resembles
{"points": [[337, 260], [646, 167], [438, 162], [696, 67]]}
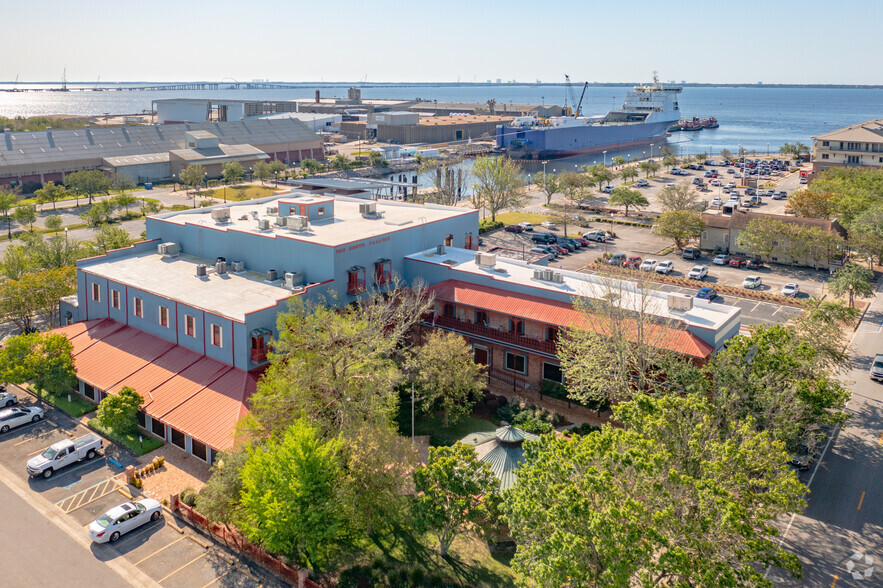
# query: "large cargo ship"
{"points": [[646, 114]]}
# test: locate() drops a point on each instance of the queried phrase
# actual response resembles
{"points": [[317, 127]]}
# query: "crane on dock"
{"points": [[577, 106]]}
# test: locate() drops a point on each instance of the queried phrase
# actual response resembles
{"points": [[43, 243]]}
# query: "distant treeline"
{"points": [[21, 124]]}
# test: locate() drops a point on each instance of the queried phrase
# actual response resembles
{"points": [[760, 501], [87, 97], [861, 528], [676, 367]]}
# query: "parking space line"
{"points": [[144, 528], [87, 495], [199, 557], [72, 470], [218, 578], [138, 563]]}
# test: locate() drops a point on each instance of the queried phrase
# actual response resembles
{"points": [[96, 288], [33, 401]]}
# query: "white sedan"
{"points": [[790, 289], [16, 416], [752, 282], [7, 399], [124, 518], [665, 267], [698, 272], [648, 265]]}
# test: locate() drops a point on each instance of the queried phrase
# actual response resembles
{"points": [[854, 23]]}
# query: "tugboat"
{"points": [[691, 125], [710, 123]]}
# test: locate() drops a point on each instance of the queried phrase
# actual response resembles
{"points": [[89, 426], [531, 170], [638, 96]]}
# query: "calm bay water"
{"points": [[759, 119]]}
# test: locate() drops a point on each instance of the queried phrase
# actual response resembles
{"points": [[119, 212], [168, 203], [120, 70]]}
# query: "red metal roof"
{"points": [[554, 312], [199, 396]]}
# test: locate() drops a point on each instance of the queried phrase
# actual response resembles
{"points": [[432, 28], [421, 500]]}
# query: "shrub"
{"points": [[158, 462], [165, 501], [132, 480], [485, 225], [553, 389], [188, 496]]}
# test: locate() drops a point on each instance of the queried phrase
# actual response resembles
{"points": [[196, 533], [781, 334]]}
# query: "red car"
{"points": [[513, 228], [738, 262], [632, 262], [582, 242]]}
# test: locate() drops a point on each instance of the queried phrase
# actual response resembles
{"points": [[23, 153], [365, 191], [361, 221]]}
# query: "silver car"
{"points": [[877, 368], [7, 399], [11, 418], [124, 518]]}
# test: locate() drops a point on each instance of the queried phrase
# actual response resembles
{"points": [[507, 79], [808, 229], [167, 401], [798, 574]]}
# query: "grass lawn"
{"points": [[77, 407], [513, 218], [130, 440], [439, 435], [239, 193]]}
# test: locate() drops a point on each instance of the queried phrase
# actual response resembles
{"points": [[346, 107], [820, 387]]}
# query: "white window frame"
{"points": [[96, 292], [190, 325], [163, 313], [506, 355], [115, 299], [217, 336], [139, 307]]}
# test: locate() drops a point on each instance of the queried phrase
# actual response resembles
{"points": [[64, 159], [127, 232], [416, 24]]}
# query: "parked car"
{"points": [[665, 267], [801, 460], [648, 265], [566, 244], [551, 250], [706, 293], [582, 242], [752, 282], [754, 263], [715, 202], [715, 182], [642, 183], [632, 262], [737, 261], [608, 189], [544, 238], [549, 225], [526, 226], [16, 416], [513, 228], [877, 368], [802, 180], [790, 289], [722, 259], [124, 518], [782, 194], [598, 236], [616, 259], [64, 453], [539, 251], [698, 272], [691, 253], [7, 399], [697, 181]]}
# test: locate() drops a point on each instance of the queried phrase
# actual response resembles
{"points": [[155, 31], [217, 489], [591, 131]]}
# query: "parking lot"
{"points": [[171, 554]]}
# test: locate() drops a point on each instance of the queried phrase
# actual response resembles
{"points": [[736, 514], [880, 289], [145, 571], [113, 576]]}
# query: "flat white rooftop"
{"points": [[506, 272], [347, 225], [229, 295]]}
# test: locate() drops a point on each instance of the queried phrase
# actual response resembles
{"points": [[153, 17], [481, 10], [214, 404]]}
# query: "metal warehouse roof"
{"points": [[91, 143], [219, 154]]}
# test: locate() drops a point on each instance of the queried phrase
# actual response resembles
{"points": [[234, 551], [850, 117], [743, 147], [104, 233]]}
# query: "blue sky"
{"points": [[385, 40]]}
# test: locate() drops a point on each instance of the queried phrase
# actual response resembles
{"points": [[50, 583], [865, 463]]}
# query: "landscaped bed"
{"points": [[130, 440], [77, 407]]}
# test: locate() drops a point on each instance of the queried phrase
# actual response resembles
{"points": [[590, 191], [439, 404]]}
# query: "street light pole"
{"points": [[605, 158], [651, 150]]}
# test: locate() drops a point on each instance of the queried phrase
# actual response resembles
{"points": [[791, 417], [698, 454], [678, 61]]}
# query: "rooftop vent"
{"points": [[169, 249], [271, 275], [221, 215], [201, 270], [678, 301], [254, 214], [485, 259], [237, 266], [221, 267], [440, 249], [263, 224]]}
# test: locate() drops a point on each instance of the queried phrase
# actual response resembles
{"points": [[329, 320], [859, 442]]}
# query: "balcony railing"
{"points": [[500, 335]]}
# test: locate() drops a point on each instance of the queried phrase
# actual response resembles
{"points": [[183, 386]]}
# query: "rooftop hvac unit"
{"points": [[296, 223], [538, 274], [169, 249], [280, 220], [238, 266], [272, 210], [368, 208], [221, 215], [485, 259], [201, 270], [293, 279], [271, 275], [221, 267], [678, 301], [263, 224], [440, 249], [558, 277]]}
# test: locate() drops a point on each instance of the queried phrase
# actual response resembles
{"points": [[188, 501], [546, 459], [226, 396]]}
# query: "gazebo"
{"points": [[501, 449]]}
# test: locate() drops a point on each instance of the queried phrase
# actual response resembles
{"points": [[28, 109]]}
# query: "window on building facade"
{"points": [[96, 292], [158, 428], [320, 211], [178, 438], [481, 318], [824, 143], [382, 272], [139, 308], [449, 310], [163, 316], [217, 336], [516, 326], [355, 280], [551, 333], [480, 354], [553, 372], [468, 242], [189, 325], [198, 449], [516, 363], [115, 299], [824, 156], [449, 240]]}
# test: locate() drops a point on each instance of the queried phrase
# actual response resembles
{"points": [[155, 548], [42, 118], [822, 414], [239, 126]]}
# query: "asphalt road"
{"points": [[839, 537]]}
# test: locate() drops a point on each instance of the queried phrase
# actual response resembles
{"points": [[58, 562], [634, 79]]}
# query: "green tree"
{"points": [[812, 204], [53, 223], [109, 237], [375, 159], [123, 200], [98, 214], [121, 183], [192, 175], [33, 296], [87, 183], [456, 493], [726, 155], [44, 359], [626, 198], [119, 412], [150, 206], [669, 161], [288, 503], [637, 506], [680, 226], [768, 237], [618, 160], [575, 188], [219, 498], [276, 167], [549, 183], [628, 173], [681, 196], [599, 174], [340, 162], [51, 192], [446, 375], [25, 215], [232, 172], [8, 200], [858, 189], [852, 280], [701, 157], [499, 184], [310, 166]]}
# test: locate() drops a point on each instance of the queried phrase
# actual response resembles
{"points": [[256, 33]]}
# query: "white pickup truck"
{"points": [[64, 453]]}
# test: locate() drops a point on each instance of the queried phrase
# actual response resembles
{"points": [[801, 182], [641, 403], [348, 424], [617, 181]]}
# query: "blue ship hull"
{"points": [[550, 142]]}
